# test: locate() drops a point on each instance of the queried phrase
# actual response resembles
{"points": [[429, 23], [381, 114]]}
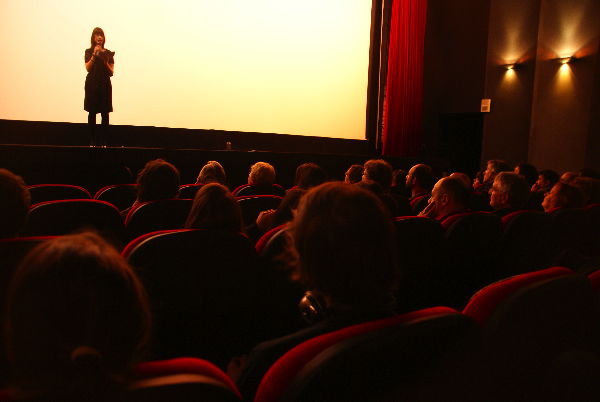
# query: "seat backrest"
{"points": [[526, 242], [121, 196], [419, 203], [157, 215], [188, 191], [422, 359], [419, 244], [249, 189], [593, 211], [252, 205], [52, 218], [539, 330], [279, 377], [50, 192], [202, 286], [182, 379], [572, 232], [472, 244], [263, 244]]}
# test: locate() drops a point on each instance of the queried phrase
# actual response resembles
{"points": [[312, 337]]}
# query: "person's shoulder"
{"points": [[88, 50]]}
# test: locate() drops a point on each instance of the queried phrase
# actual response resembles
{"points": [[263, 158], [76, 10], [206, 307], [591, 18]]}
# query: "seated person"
{"points": [[14, 204], [590, 189], [309, 175], [261, 181], [420, 181], [353, 174], [377, 177], [214, 208], [77, 320], [158, 180], [212, 172], [343, 237], [448, 197], [528, 171], [493, 167], [562, 195], [509, 193]]}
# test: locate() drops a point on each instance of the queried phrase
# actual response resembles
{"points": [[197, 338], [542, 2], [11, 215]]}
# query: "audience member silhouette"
{"points": [[353, 174], [261, 181], [14, 204], [77, 319], [158, 180], [420, 181], [343, 237], [528, 171], [309, 175], [509, 193], [546, 179], [212, 172], [448, 197], [214, 208], [493, 167], [562, 195], [590, 189], [568, 177]]}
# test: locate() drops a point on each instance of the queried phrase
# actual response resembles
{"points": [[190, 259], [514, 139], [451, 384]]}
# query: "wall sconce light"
{"points": [[510, 66], [565, 60]]}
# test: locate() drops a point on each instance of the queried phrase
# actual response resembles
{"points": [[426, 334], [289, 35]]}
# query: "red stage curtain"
{"points": [[402, 126]]}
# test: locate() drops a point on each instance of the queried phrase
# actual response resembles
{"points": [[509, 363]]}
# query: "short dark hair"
{"points": [[309, 175], [355, 173], [158, 180], [212, 172], [14, 203], [215, 208], [344, 238], [380, 172], [423, 174], [74, 297], [515, 186], [529, 172], [498, 165], [550, 175]]}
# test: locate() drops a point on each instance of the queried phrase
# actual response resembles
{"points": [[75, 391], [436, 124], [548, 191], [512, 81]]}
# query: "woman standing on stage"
{"points": [[100, 65]]}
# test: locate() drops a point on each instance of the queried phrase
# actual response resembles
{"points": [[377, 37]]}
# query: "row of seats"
{"points": [[63, 216], [531, 337], [123, 195]]}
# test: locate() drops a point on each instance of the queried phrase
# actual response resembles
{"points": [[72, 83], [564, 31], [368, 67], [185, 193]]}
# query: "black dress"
{"points": [[98, 89]]}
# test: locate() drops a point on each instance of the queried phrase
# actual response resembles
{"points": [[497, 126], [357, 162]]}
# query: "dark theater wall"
{"points": [[562, 126], [513, 36], [540, 112]]}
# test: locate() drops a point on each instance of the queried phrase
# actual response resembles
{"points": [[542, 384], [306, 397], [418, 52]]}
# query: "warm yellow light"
{"points": [[275, 66]]}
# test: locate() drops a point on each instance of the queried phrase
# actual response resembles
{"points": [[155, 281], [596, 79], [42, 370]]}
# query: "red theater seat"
{"points": [[252, 205], [121, 196], [249, 189], [183, 379], [188, 191], [540, 335], [157, 215], [365, 361], [50, 192]]}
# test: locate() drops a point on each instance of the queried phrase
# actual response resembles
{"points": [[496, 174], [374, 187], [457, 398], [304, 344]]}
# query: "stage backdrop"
{"points": [[272, 66]]}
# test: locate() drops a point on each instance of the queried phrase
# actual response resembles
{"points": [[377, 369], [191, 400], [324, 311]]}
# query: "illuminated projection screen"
{"points": [[271, 66]]}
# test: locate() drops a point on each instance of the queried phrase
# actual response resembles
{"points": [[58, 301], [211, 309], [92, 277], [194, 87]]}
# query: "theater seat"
{"points": [[249, 189], [252, 205], [121, 196], [372, 361], [540, 336], [527, 242], [203, 288], [157, 215], [183, 379], [573, 239], [188, 191], [471, 250], [419, 244], [49, 192], [52, 218]]}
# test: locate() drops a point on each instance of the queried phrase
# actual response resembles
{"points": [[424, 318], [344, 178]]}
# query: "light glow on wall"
{"points": [[274, 66]]}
